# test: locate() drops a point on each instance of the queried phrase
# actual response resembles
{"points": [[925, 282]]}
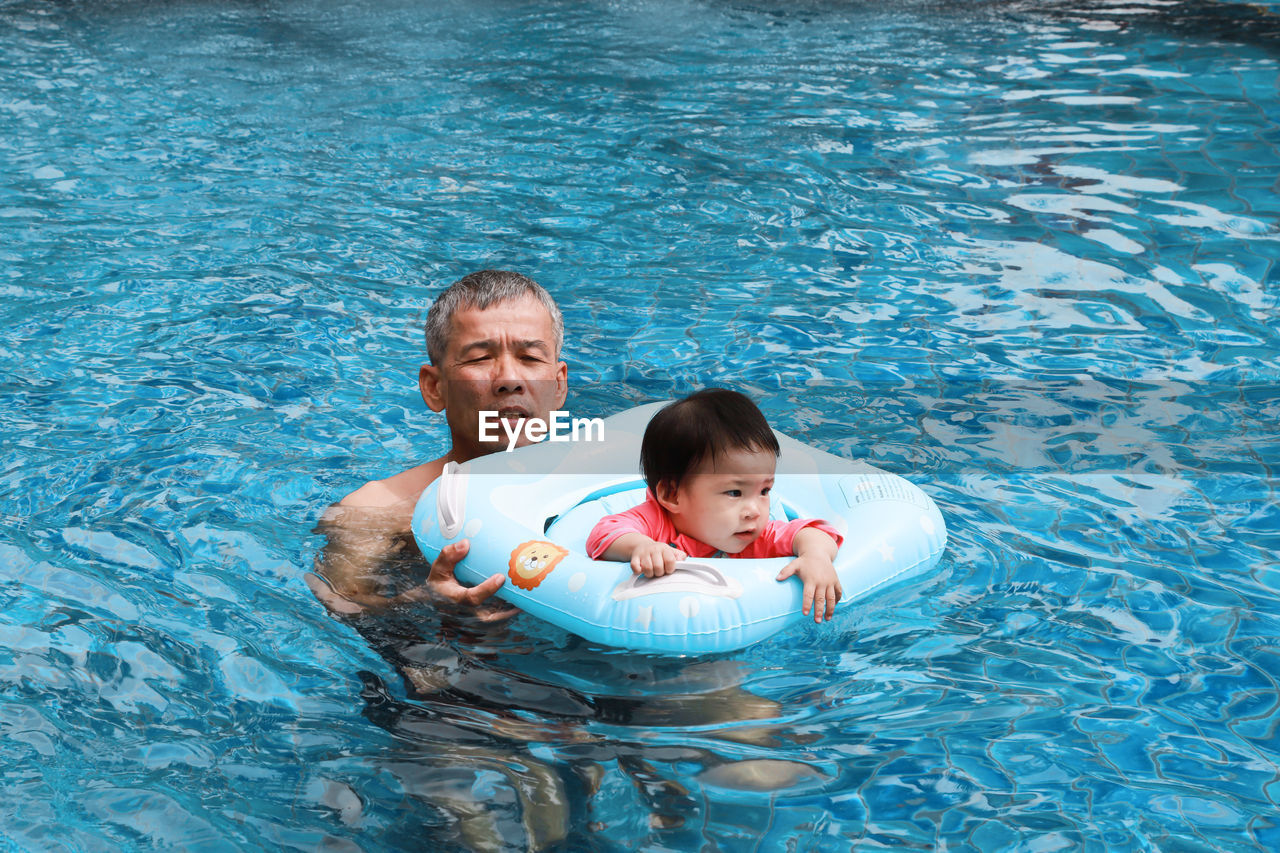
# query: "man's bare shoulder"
{"points": [[405, 487]]}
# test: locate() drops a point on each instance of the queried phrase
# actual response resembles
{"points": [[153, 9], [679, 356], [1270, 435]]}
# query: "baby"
{"points": [[709, 462]]}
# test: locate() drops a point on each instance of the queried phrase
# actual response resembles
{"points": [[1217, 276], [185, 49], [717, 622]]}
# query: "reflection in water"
{"points": [[510, 737]]}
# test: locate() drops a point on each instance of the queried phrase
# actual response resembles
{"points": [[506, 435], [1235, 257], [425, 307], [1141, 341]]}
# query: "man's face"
{"points": [[502, 359]]}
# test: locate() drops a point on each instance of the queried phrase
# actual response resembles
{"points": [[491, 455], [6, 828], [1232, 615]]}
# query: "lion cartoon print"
{"points": [[532, 561]]}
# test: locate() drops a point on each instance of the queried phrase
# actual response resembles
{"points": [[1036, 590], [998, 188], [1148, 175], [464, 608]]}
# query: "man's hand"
{"points": [[442, 585]]}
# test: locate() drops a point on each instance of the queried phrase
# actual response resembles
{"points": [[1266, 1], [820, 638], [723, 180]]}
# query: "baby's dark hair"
{"points": [[684, 433]]}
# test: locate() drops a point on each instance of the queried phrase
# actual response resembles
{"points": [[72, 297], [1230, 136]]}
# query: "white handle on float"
{"points": [[687, 577], [451, 499]]}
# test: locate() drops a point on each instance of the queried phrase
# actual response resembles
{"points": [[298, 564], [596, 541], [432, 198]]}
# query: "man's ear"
{"points": [[667, 495], [429, 383], [562, 384]]}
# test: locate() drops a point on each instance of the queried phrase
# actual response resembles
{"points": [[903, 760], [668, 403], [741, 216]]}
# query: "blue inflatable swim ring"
{"points": [[528, 513]]}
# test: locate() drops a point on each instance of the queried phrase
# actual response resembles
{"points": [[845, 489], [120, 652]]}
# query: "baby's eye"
{"points": [[734, 493], [766, 490]]}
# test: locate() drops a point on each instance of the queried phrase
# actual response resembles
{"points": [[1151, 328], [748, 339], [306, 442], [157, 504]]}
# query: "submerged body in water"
{"points": [[533, 721]]}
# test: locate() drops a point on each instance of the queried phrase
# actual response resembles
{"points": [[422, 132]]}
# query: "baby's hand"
{"points": [[653, 559], [821, 585]]}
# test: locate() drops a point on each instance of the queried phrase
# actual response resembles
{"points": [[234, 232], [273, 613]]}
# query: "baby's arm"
{"points": [[653, 559], [815, 553], [628, 536]]}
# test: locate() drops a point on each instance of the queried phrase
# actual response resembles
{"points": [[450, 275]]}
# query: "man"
{"points": [[493, 341]]}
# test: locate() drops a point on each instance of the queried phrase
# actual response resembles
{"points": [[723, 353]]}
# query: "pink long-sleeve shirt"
{"points": [[653, 521]]}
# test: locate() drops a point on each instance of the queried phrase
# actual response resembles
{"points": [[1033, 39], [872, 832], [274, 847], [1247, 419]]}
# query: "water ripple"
{"points": [[1024, 254]]}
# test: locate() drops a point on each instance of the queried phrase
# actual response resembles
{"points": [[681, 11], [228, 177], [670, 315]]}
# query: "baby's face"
{"points": [[724, 502]]}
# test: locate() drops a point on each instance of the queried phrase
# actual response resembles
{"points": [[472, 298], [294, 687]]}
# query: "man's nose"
{"points": [[509, 385], [507, 375]]}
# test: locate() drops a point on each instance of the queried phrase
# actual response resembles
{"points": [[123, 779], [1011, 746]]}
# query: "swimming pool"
{"points": [[1024, 254]]}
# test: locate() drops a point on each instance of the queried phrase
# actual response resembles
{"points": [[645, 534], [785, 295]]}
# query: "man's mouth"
{"points": [[512, 413]]}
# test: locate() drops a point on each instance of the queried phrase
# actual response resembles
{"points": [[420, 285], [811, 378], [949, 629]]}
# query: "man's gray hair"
{"points": [[481, 290]]}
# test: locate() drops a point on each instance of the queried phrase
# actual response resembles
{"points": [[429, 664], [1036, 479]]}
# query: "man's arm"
{"points": [[369, 532], [365, 549]]}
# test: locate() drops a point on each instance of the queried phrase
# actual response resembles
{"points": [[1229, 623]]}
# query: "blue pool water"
{"points": [[1026, 254]]}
